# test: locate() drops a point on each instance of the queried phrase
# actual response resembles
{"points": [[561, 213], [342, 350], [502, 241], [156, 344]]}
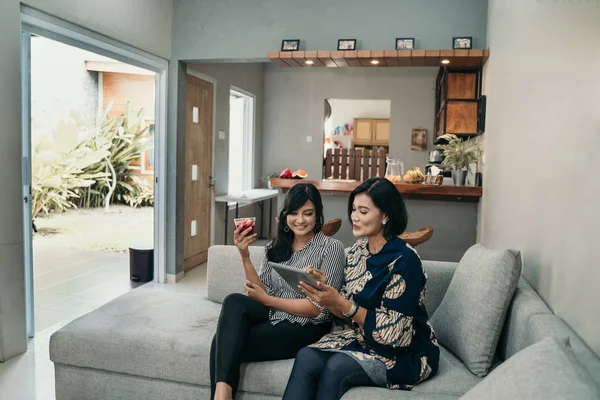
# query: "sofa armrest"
{"points": [[439, 274], [225, 273]]}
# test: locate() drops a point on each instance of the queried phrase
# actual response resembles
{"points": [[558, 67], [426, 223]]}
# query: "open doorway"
{"points": [[93, 150], [92, 123], [241, 141]]}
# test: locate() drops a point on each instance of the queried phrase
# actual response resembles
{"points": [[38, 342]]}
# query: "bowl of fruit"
{"points": [[414, 176]]}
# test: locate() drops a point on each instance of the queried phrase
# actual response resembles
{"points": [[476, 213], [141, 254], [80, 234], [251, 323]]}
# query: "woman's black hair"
{"points": [[388, 200], [279, 248]]}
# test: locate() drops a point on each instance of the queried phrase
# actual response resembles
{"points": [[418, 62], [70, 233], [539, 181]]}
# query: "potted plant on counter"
{"points": [[267, 179], [459, 154]]}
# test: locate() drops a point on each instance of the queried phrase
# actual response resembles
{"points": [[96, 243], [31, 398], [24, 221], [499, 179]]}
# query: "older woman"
{"points": [[272, 321], [389, 343]]}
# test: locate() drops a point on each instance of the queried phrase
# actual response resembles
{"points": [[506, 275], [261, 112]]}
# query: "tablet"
{"points": [[293, 276]]}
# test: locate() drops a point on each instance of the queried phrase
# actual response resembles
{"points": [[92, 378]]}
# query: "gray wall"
{"points": [[248, 77], [294, 109], [234, 30], [144, 25], [541, 190]]}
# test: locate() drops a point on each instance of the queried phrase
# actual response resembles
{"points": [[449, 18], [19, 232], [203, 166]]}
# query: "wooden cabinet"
{"points": [[371, 132], [459, 105]]}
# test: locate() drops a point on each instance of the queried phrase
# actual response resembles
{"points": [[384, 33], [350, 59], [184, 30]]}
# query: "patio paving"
{"points": [[69, 283]]}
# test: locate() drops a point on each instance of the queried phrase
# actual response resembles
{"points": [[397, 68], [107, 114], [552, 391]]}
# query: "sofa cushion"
{"points": [[362, 393], [147, 332], [157, 333], [469, 319], [525, 304], [546, 370], [453, 377]]}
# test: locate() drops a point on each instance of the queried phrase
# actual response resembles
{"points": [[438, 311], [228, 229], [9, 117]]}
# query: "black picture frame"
{"points": [[294, 42], [412, 44], [459, 47], [340, 41]]}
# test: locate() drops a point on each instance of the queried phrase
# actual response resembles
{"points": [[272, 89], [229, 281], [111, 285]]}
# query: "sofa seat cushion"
{"points": [[470, 318], [453, 377], [362, 393], [149, 332], [160, 334], [545, 370]]}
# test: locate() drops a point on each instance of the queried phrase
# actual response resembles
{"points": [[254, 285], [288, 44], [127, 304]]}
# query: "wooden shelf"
{"points": [[386, 58], [424, 192]]}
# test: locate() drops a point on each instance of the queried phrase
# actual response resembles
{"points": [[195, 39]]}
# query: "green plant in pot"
{"points": [[267, 178], [459, 154]]}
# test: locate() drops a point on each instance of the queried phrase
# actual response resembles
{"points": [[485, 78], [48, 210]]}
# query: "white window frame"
{"points": [[249, 137]]}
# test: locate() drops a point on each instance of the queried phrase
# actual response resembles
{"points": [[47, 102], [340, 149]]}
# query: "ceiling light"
{"points": [[445, 61], [374, 62], [309, 62]]}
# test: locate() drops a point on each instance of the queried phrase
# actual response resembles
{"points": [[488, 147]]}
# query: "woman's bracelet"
{"points": [[352, 311]]}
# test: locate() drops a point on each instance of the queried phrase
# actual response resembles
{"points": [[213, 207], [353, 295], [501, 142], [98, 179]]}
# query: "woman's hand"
{"points": [[256, 292], [317, 275], [242, 241], [325, 295]]}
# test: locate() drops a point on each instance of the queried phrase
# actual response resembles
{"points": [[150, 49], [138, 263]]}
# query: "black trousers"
{"points": [[244, 333]]}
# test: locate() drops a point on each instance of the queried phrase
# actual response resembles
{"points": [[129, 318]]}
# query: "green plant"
{"points": [[139, 193], [125, 141], [58, 167], [459, 153]]}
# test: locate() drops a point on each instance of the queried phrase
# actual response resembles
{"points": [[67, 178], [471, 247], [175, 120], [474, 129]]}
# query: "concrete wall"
{"points": [[541, 192], [248, 30], [248, 77], [146, 25]]}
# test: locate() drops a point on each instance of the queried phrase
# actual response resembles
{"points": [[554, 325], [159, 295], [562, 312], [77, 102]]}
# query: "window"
{"points": [[241, 141]]}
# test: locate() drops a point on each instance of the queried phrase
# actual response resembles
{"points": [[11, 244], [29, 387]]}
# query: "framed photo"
{"points": [[462, 42], [405, 43], [346, 44], [290, 45], [419, 140]]}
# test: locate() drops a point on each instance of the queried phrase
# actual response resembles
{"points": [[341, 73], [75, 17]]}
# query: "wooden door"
{"points": [[381, 131], [198, 161], [363, 129]]}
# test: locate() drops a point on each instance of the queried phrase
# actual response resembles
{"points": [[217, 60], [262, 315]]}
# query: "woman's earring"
{"points": [[383, 222], [286, 229]]}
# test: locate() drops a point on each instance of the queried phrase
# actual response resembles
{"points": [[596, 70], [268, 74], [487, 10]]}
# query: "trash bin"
{"points": [[141, 263]]}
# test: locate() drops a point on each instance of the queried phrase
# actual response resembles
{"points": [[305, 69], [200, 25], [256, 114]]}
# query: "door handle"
{"points": [[212, 181]]}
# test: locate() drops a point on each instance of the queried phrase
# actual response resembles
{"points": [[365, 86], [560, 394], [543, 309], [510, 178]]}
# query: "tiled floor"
{"points": [[69, 283], [30, 376]]}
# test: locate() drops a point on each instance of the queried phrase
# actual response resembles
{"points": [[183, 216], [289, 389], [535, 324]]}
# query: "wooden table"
{"points": [[340, 187]]}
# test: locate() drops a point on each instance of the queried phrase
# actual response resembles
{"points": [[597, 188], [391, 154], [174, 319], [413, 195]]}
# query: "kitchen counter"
{"points": [[336, 187]]}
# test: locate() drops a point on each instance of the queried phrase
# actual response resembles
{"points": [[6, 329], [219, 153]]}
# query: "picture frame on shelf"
{"points": [[290, 45], [346, 44], [418, 140], [405, 43], [462, 42]]}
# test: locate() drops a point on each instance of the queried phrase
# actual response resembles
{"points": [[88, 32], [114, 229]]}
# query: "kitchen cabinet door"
{"points": [[381, 129], [363, 129]]}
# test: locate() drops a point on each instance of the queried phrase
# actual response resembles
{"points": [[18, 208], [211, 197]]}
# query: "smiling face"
{"points": [[302, 221], [367, 219]]}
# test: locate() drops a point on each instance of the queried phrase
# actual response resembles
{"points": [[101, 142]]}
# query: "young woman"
{"points": [[389, 344], [272, 321]]}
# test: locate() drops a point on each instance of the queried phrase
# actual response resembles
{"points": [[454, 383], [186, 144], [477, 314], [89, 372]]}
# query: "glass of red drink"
{"points": [[245, 223]]}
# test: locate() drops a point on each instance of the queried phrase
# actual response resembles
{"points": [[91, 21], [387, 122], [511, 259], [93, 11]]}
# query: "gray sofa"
{"points": [[154, 343]]}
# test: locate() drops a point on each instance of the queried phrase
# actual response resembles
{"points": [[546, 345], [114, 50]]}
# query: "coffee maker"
{"points": [[435, 167]]}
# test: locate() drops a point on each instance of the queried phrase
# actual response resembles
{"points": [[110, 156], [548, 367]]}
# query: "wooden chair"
{"points": [[330, 228], [417, 237]]}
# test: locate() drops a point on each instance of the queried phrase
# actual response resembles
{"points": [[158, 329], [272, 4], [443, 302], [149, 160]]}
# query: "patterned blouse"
{"points": [[390, 285], [323, 253]]}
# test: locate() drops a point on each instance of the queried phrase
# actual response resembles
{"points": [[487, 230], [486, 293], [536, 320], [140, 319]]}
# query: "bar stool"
{"points": [[417, 237]]}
